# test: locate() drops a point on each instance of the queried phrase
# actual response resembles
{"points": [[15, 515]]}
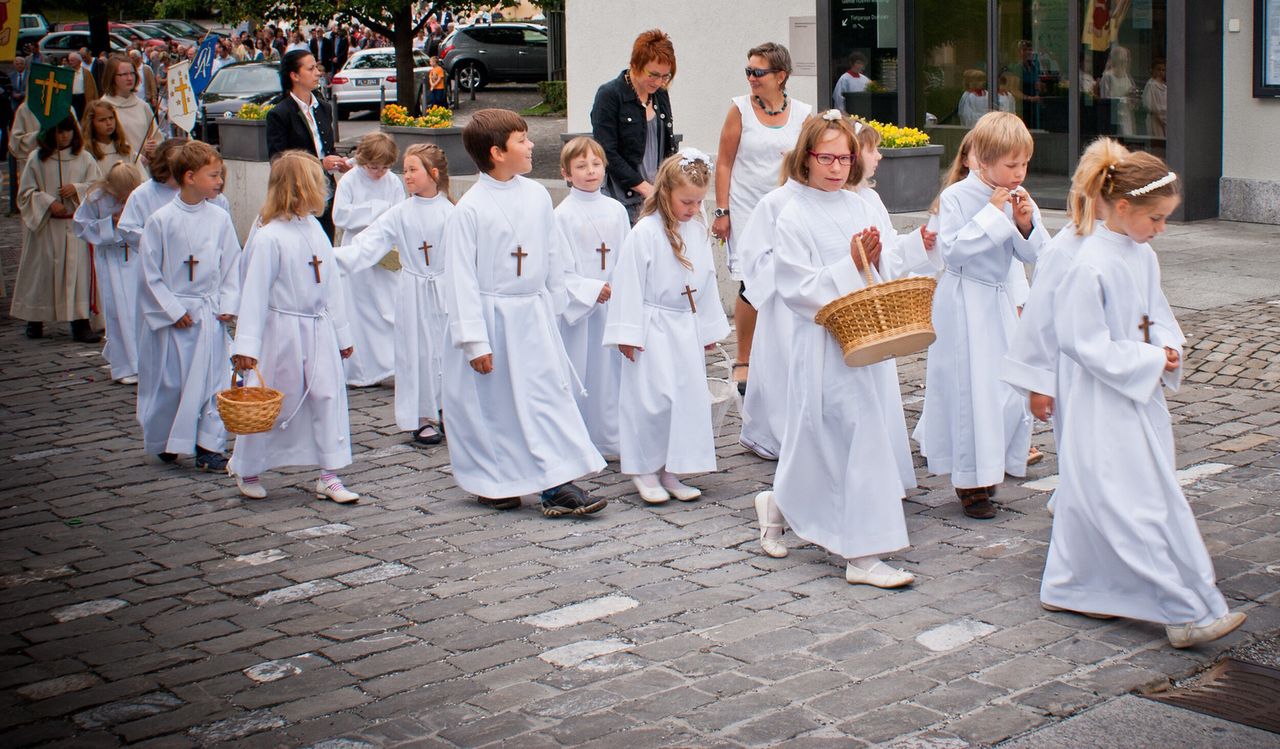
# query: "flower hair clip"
{"points": [[857, 126], [690, 156], [1167, 179], [833, 115]]}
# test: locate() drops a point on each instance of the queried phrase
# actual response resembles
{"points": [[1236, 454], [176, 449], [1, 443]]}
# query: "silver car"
{"points": [[360, 83]]}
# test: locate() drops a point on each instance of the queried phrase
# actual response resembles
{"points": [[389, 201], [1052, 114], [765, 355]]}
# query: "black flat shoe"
{"points": [[435, 438], [167, 457], [207, 460], [35, 330], [81, 332], [499, 503]]}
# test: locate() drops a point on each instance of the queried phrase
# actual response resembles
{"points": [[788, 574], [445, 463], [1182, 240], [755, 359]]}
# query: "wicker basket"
{"points": [[249, 410], [881, 321]]}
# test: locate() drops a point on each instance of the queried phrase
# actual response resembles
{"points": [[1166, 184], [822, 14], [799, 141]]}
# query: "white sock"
{"points": [[864, 563], [648, 480], [776, 521]]}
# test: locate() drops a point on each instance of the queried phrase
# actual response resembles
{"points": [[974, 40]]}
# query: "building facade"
{"points": [[1174, 77]]}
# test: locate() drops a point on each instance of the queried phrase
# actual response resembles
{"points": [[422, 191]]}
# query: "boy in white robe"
{"points": [[838, 483], [764, 407], [665, 312], [54, 275], [415, 227], [116, 265], [362, 196], [189, 292], [978, 427], [155, 193], [292, 329], [595, 227], [1125, 541], [508, 385]]}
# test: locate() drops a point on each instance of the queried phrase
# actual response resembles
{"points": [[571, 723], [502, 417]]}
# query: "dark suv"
{"points": [[495, 53]]}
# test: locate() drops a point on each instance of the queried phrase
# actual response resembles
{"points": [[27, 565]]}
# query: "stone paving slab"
{"points": [[148, 604]]}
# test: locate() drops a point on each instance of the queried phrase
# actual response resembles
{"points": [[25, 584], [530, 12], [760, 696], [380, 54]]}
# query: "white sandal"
{"points": [[771, 546]]}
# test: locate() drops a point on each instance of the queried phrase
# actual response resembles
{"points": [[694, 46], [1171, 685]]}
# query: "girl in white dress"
{"points": [[362, 196], [977, 427], [116, 265], [1125, 541], [292, 327], [415, 227], [838, 483], [103, 136], [595, 226], [664, 312]]}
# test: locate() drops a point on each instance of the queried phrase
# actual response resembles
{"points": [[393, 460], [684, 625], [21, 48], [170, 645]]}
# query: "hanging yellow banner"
{"points": [[10, 23]]}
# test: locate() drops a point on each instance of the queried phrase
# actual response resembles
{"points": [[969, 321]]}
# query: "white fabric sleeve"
{"points": [[467, 324]]}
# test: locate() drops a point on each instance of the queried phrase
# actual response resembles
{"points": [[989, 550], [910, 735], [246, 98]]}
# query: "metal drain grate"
{"points": [[1234, 690]]}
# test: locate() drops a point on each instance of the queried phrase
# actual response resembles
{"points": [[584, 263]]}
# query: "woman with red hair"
{"points": [[631, 118]]}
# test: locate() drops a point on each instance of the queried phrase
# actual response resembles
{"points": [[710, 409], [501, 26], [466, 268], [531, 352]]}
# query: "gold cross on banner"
{"points": [[182, 88], [51, 87]]}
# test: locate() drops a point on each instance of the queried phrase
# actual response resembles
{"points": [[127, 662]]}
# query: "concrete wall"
{"points": [[1250, 187], [711, 41]]}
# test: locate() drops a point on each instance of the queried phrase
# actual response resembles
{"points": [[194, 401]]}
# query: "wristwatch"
{"points": [[721, 212]]}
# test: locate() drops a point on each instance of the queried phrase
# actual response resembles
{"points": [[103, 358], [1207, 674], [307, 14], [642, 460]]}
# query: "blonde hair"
{"points": [[796, 163], [120, 181], [578, 147], [432, 157], [376, 149], [296, 187], [974, 78], [118, 138], [866, 138], [998, 134], [1108, 173], [672, 174]]}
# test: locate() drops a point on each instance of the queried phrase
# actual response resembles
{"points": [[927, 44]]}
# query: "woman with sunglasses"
{"points": [[760, 129], [631, 118]]}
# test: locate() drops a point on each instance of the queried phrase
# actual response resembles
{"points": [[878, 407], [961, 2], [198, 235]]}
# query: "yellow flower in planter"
{"points": [[435, 117], [249, 111], [894, 136]]}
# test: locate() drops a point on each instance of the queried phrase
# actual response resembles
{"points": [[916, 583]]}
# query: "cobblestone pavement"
{"points": [[148, 603]]}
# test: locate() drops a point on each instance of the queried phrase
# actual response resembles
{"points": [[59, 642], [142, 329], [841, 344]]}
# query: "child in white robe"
{"points": [[54, 275], [978, 427], [155, 193], [514, 427], [595, 227], [189, 292], [292, 329], [664, 313], [764, 407], [115, 264], [838, 484], [103, 136], [1125, 541], [415, 227], [362, 196]]}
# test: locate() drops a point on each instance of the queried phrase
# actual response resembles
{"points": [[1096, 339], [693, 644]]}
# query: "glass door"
{"points": [[952, 77], [1123, 92]]}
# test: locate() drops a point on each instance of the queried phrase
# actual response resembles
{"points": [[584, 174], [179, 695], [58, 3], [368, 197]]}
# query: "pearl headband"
{"points": [[1167, 179]]}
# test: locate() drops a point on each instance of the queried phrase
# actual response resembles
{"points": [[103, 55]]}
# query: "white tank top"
{"points": [[758, 166]]}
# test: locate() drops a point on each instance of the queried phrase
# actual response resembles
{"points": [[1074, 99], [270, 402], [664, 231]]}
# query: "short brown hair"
{"points": [[796, 165], [776, 55], [161, 161], [191, 157], [487, 129], [653, 46], [376, 149], [296, 187], [578, 147]]}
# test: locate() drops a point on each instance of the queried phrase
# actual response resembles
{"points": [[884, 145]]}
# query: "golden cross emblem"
{"points": [[182, 88], [50, 86]]}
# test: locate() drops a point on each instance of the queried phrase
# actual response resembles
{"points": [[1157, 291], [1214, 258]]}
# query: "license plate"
{"points": [[366, 81]]}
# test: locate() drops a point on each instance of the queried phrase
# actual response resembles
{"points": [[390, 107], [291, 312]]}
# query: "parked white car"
{"points": [[359, 85]]}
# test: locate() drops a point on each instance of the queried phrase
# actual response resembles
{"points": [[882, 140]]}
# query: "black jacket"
{"points": [[287, 127], [618, 122]]}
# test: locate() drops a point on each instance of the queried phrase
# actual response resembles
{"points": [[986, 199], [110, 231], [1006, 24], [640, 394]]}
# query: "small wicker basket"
{"points": [[249, 410], [881, 321]]}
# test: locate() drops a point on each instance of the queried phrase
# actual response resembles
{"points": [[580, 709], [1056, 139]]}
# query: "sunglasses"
{"points": [[826, 159], [760, 72]]}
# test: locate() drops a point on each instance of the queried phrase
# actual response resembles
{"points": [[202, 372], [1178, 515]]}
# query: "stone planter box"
{"points": [[449, 139], [242, 140], [908, 178]]}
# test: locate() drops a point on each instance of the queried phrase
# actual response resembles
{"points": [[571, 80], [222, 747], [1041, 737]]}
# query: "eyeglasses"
{"points": [[760, 72], [827, 159], [664, 77]]}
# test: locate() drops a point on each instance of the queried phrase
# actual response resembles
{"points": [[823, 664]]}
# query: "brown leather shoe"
{"points": [[976, 503], [499, 503]]}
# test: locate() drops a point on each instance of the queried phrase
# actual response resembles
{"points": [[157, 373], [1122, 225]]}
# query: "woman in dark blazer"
{"points": [[301, 121], [631, 117]]}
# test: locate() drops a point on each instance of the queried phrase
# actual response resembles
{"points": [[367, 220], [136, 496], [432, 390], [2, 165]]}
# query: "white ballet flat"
{"points": [[771, 546], [880, 575], [128, 380], [654, 495], [252, 491], [675, 488], [340, 494], [1188, 635]]}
